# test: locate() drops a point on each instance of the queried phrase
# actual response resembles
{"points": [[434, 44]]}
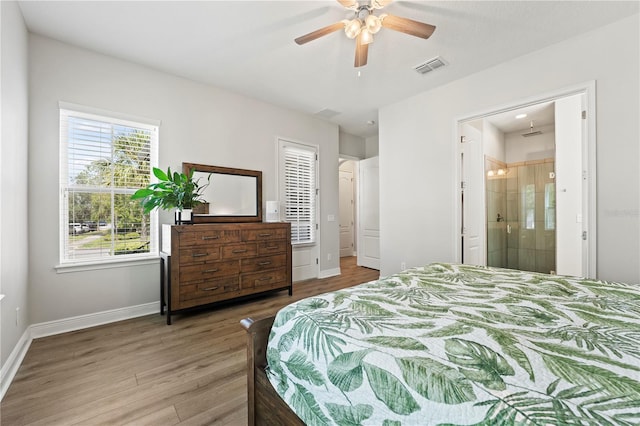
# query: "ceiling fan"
{"points": [[365, 24]]}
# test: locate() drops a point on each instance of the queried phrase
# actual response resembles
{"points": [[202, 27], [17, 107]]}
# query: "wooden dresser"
{"points": [[204, 264]]}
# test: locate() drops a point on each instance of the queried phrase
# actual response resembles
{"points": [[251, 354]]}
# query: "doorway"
{"points": [[369, 213], [347, 205], [520, 188], [359, 210], [527, 185]]}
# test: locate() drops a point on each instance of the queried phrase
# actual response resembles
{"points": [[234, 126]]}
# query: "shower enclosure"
{"points": [[521, 215]]}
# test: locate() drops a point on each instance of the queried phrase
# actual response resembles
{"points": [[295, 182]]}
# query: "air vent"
{"points": [[430, 65], [326, 113]]}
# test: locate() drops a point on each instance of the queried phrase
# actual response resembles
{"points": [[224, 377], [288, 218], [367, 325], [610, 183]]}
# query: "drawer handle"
{"points": [[199, 254], [264, 235], [240, 251], [264, 263], [265, 279], [210, 271], [215, 237], [210, 288], [272, 247]]}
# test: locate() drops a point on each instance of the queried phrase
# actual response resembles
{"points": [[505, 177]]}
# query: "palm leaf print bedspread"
{"points": [[451, 344]]}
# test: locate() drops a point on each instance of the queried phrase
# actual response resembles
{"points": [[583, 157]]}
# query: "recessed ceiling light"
{"points": [[519, 116], [371, 122]]}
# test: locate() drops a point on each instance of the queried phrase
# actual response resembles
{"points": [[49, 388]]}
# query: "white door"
{"points": [[304, 263], [569, 187], [472, 196], [345, 188], [298, 189], [369, 214]]}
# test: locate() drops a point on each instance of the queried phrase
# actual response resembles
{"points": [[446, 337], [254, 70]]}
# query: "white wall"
{"points": [[352, 145], [356, 146], [493, 141], [417, 137], [538, 147], [13, 166], [371, 146], [200, 124]]}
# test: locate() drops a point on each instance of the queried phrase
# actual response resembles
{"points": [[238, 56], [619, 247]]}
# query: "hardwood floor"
{"points": [[143, 372]]}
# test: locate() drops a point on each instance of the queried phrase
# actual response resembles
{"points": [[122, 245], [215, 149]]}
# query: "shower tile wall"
{"points": [[496, 214], [513, 236], [528, 203]]}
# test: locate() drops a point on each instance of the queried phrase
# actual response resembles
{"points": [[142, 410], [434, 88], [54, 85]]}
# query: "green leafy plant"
{"points": [[173, 190]]}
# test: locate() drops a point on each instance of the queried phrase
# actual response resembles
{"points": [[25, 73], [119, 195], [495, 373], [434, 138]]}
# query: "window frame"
{"points": [[283, 144], [66, 109]]}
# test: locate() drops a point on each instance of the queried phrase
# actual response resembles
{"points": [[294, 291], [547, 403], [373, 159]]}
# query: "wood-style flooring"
{"points": [[144, 372]]}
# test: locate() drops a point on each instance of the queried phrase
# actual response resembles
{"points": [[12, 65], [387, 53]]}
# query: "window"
{"points": [[298, 190], [550, 206], [529, 206], [103, 160]]}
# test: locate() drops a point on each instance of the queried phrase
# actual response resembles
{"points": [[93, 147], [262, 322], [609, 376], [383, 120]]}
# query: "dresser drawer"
{"points": [[272, 247], [210, 289], [264, 263], [202, 254], [262, 234], [239, 251], [264, 280], [203, 271], [206, 237]]}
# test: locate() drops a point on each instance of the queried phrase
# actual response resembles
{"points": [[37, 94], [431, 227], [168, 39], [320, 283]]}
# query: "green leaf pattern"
{"points": [[450, 344]]}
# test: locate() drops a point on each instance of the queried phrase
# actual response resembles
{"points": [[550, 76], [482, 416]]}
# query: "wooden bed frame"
{"points": [[265, 407]]}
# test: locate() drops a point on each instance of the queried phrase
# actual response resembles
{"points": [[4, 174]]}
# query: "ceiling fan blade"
{"points": [[349, 4], [408, 26], [320, 33], [379, 4], [362, 52]]}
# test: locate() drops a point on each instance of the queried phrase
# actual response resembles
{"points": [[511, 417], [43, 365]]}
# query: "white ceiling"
{"points": [[542, 114], [247, 46]]}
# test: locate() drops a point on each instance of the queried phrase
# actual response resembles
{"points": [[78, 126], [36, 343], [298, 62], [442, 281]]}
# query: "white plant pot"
{"points": [[183, 216]]}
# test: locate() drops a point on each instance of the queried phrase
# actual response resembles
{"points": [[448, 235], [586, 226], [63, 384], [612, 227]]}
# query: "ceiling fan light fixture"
{"points": [[366, 37], [373, 24], [353, 28]]}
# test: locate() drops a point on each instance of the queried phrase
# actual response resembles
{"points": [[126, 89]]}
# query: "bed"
{"points": [[450, 344]]}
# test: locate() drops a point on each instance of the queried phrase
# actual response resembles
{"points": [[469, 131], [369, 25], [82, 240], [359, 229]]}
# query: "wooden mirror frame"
{"points": [[204, 218]]}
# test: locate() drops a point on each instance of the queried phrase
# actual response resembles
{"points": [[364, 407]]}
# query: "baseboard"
{"points": [[91, 320], [329, 273], [50, 328], [10, 367]]}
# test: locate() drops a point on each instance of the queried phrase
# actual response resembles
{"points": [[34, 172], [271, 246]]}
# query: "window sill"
{"points": [[64, 268]]}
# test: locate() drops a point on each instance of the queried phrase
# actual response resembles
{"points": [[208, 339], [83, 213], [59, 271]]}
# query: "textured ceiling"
{"points": [[247, 46]]}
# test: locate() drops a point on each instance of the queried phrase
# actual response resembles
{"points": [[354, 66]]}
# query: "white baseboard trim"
{"points": [[10, 367], [329, 273], [91, 320], [50, 328]]}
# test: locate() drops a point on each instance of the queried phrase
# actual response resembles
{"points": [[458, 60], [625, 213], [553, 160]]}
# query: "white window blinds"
{"points": [[298, 190], [103, 160]]}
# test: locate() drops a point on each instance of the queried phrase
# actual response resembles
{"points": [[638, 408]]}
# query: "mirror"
{"points": [[234, 195]]}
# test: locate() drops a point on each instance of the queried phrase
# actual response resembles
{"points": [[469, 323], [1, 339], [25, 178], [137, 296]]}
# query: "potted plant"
{"points": [[172, 191]]}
